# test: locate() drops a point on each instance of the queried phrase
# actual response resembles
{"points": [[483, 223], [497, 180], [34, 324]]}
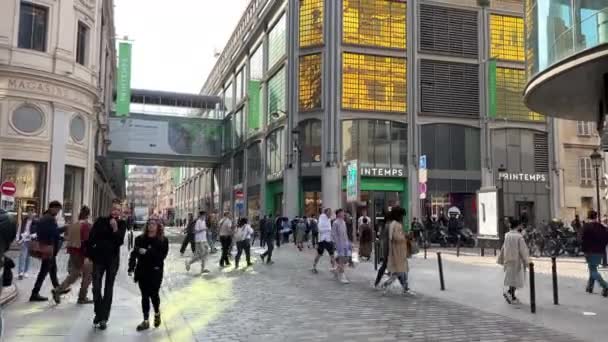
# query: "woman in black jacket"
{"points": [[147, 261]]}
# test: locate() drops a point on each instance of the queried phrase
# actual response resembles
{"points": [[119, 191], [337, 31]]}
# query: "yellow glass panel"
{"points": [[311, 22], [509, 100], [379, 23], [310, 82], [507, 38], [374, 83]]}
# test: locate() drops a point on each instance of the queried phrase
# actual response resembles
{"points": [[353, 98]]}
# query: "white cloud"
{"points": [[174, 41]]}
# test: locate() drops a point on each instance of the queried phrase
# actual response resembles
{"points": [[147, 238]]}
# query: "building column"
{"points": [[554, 168], [58, 155], [413, 147]]}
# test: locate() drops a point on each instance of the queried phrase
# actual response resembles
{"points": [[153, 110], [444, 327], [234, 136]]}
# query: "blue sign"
{"points": [[422, 161]]}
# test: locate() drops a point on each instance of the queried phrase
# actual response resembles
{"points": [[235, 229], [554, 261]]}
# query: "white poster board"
{"points": [[487, 212]]}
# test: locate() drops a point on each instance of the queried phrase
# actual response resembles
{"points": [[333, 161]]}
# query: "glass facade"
{"points": [[239, 168], [557, 29], [375, 143], [275, 153], [238, 128], [229, 97], [507, 38], [310, 82], [255, 91], [374, 83], [254, 164], [377, 23], [451, 147], [72, 192], [311, 22], [277, 42], [509, 102], [310, 135], [240, 85], [277, 103]]}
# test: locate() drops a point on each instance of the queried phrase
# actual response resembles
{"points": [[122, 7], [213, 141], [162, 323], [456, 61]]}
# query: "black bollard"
{"points": [[483, 251], [376, 251], [458, 249], [425, 251], [532, 290], [494, 251], [554, 273], [441, 282]]}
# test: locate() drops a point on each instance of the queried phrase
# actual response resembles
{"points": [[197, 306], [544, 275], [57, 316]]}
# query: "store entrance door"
{"points": [[379, 204], [525, 213]]}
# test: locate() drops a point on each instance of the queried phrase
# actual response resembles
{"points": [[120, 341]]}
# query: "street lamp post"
{"points": [[596, 161], [298, 149]]}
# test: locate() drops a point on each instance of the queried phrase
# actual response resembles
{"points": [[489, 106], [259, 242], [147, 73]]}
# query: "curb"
{"points": [[8, 295]]}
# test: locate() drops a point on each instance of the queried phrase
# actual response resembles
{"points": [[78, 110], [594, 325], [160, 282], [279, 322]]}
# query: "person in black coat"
{"points": [[48, 233], [147, 261], [189, 238], [103, 249]]}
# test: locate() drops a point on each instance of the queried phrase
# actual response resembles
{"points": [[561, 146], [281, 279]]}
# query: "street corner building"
{"points": [[308, 85], [57, 67]]}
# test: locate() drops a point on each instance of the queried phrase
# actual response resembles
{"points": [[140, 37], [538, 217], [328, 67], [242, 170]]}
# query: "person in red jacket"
{"points": [[78, 265], [594, 241]]}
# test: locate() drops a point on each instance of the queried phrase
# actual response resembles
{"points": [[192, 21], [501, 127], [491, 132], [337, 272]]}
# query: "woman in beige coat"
{"points": [[514, 256], [397, 256]]}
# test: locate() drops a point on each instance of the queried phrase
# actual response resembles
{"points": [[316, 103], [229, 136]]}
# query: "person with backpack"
{"points": [[242, 236], [146, 263], [78, 265]]}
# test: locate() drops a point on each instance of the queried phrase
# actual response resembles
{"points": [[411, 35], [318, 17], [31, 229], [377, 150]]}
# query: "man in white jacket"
{"points": [[325, 241], [201, 247]]}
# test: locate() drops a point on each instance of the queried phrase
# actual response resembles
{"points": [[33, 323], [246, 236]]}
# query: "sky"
{"points": [[174, 41]]}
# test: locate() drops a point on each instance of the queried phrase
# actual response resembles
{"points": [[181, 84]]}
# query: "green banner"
{"points": [[123, 81], [255, 102], [492, 88]]}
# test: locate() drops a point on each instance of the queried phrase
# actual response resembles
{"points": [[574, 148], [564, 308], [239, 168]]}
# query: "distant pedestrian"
{"points": [[365, 239], [515, 257], [343, 245], [242, 236], [261, 232], [384, 250], [226, 233], [77, 236], [348, 219], [212, 224], [24, 237], [189, 235], [48, 238], [300, 233], [397, 257], [594, 241], [325, 240], [201, 247], [103, 249], [314, 231], [147, 261], [270, 234]]}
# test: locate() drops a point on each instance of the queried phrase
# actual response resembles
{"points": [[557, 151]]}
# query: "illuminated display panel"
{"points": [[311, 22], [509, 100], [378, 23], [507, 38], [310, 82]]}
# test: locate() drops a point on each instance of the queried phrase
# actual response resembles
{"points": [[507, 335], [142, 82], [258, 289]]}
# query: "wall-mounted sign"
{"points": [[523, 177], [352, 182], [381, 172]]}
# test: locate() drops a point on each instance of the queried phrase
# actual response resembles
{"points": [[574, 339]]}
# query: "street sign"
{"points": [[239, 194], [422, 176], [8, 189], [352, 181], [422, 161]]}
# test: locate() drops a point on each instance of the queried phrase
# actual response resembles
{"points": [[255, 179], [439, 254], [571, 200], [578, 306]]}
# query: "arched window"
{"points": [[310, 135]]}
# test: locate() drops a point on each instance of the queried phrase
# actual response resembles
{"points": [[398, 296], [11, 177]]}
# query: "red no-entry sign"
{"points": [[8, 188]]}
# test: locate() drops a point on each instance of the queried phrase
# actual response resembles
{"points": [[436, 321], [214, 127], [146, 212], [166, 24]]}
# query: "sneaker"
{"points": [[605, 292], [85, 300], [66, 291], [187, 264], [145, 325], [506, 296], [270, 262], [344, 280], [38, 298], [157, 320], [589, 289], [103, 325], [56, 296]]}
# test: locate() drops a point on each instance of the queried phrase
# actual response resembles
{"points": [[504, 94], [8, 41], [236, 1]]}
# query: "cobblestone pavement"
{"points": [[281, 302]]}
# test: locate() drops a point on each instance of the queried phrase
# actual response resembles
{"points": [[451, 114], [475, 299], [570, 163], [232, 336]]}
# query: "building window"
{"points": [[28, 119], [239, 169], [311, 22], [277, 42], [584, 128], [82, 43], [77, 128], [449, 31], [451, 147], [238, 128], [510, 105], [33, 26], [311, 141], [275, 151], [585, 171], [378, 23], [541, 153], [277, 106], [240, 85], [507, 38], [374, 83], [227, 134], [254, 164], [255, 90], [229, 97], [72, 192], [375, 143], [310, 82], [449, 88]]}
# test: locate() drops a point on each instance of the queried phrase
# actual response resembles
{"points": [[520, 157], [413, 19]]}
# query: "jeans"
{"points": [[24, 257], [240, 246], [593, 261], [201, 251], [47, 267], [188, 239], [77, 267], [268, 253], [103, 304], [226, 242]]}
